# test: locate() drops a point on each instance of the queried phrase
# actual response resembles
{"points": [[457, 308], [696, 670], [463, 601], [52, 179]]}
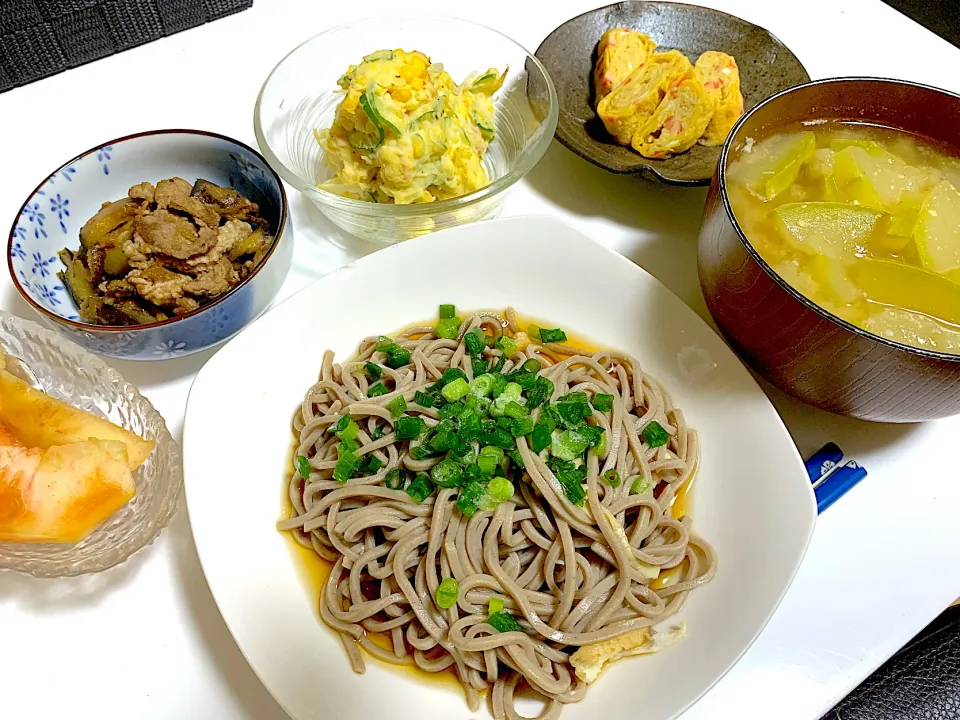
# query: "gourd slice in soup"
{"points": [[912, 328], [773, 164], [835, 230], [832, 278], [903, 219], [938, 230], [906, 286], [873, 180]]}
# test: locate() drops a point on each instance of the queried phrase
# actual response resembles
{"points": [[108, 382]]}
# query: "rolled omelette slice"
{"points": [[620, 52], [721, 77], [678, 122], [633, 102]]}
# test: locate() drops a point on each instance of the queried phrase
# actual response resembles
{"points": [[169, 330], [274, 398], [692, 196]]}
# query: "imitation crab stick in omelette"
{"points": [[720, 76], [621, 51], [63, 471], [678, 122]]}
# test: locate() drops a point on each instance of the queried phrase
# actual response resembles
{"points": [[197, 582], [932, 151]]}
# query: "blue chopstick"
{"points": [[831, 481]]}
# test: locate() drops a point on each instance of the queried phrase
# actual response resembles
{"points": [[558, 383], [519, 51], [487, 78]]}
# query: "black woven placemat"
{"points": [[43, 37]]}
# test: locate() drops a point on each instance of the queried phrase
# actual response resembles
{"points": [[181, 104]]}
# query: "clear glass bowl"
{"points": [[301, 95], [65, 371]]}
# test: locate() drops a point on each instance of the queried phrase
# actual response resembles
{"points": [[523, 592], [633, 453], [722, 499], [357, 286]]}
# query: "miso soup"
{"points": [[864, 221]]}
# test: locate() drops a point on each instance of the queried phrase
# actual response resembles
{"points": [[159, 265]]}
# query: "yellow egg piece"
{"points": [[620, 52], [678, 122], [720, 77]]}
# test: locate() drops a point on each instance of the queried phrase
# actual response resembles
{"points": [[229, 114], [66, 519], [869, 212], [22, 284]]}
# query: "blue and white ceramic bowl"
{"points": [[52, 216]]}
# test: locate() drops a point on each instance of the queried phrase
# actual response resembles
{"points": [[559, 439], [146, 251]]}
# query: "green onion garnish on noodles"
{"points": [[427, 400], [447, 593], [446, 473], [482, 385], [397, 406], [603, 402], [373, 371], [455, 390], [502, 622], [541, 391], [522, 426], [499, 437], [397, 357], [448, 311], [346, 467], [394, 479], [541, 438], [494, 606], [409, 428], [346, 428], [506, 345], [514, 410], [303, 467], [499, 490], [569, 445], [420, 488], [500, 383], [451, 374], [378, 432], [531, 365], [640, 486], [487, 463], [448, 329], [421, 452], [475, 341], [369, 465], [470, 497], [551, 336], [478, 365], [611, 477], [377, 390], [383, 342], [655, 435]]}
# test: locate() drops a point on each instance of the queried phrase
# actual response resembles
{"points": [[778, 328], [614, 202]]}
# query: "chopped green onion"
{"points": [[550, 336], [451, 374], [532, 365], [526, 381], [471, 426], [511, 393], [455, 390], [451, 410], [522, 426], [476, 341], [500, 383], [482, 385], [577, 396], [397, 357], [394, 479], [409, 428], [446, 473], [573, 413], [640, 486], [568, 445], [420, 488], [514, 456], [593, 434], [369, 465], [494, 452], [501, 361], [378, 432], [494, 606], [515, 410], [570, 478], [602, 402], [600, 448], [611, 477], [487, 463], [423, 399], [421, 452], [448, 329], [347, 446], [447, 593], [383, 342], [346, 428], [470, 497], [533, 332], [373, 371], [504, 422], [448, 311], [499, 437], [542, 390], [397, 406], [303, 467], [346, 466], [506, 345], [377, 390], [499, 490], [502, 622], [655, 435], [541, 438]]}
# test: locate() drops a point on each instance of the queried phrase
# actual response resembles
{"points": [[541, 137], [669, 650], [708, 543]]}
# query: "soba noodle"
{"points": [[566, 572]]}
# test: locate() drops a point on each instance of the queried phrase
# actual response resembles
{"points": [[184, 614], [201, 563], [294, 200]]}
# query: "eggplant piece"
{"points": [[95, 260], [115, 262], [76, 279], [228, 202], [248, 246], [98, 231]]}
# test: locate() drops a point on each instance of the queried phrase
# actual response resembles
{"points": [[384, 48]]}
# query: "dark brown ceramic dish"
{"points": [[799, 347], [569, 53]]}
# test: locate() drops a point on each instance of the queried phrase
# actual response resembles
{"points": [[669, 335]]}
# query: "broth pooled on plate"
{"points": [[863, 221], [496, 501], [405, 132], [163, 251]]}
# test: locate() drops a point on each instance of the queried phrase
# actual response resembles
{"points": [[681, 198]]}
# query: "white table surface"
{"points": [[145, 640]]}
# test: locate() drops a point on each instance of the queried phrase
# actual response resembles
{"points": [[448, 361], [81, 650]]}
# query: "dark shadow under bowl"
{"points": [[569, 53], [799, 347]]}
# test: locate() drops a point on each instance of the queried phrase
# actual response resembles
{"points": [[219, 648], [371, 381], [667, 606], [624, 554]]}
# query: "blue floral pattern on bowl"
{"points": [[52, 216]]}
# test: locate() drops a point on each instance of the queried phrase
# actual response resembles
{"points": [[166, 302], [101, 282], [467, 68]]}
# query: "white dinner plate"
{"points": [[752, 499]]}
